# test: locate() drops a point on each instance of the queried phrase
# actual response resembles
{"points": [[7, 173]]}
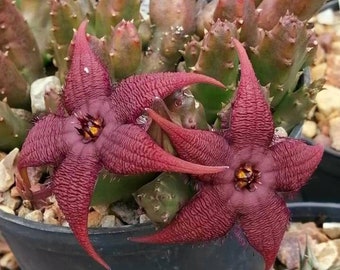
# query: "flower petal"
{"points": [[44, 143], [295, 162], [197, 146], [251, 119], [73, 184], [87, 78], [206, 217], [135, 93], [127, 149], [264, 226]]}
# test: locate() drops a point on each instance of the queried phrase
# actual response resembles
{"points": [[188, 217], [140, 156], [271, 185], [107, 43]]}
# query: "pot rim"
{"points": [[67, 230], [333, 4], [130, 228], [314, 204]]}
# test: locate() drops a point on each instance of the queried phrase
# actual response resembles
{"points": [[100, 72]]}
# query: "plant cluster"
{"points": [[124, 108]]}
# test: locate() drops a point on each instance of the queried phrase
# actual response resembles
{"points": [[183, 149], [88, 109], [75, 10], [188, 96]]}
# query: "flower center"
{"points": [[91, 127], [246, 177]]}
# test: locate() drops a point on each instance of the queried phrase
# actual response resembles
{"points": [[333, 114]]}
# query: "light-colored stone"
{"points": [[50, 216], [65, 224], [326, 17], [38, 90], [309, 129], [336, 265], [102, 209], [8, 261], [23, 211], [326, 254], [332, 233], [7, 170], [94, 219], [6, 209], [51, 221], [319, 71], [280, 132], [9, 201], [35, 215], [328, 100], [310, 229], [108, 221], [332, 230], [143, 219], [125, 213], [334, 132]]}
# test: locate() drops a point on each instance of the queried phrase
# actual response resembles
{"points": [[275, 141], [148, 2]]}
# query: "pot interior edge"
{"points": [[61, 229], [303, 207]]}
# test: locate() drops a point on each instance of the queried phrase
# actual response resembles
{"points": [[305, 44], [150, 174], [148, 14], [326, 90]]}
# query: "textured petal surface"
{"points": [[251, 119], [295, 162], [198, 146], [206, 217], [127, 149], [264, 225], [135, 93], [44, 143], [87, 77], [73, 184]]}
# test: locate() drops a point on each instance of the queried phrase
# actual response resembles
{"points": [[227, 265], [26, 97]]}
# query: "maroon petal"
{"points": [[73, 184], [87, 77], [295, 162], [127, 149], [198, 146], [251, 119], [44, 143], [206, 217], [135, 93], [264, 226]]}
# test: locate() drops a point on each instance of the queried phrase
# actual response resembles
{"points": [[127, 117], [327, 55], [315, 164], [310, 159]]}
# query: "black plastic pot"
{"points": [[324, 185], [317, 212], [44, 247]]}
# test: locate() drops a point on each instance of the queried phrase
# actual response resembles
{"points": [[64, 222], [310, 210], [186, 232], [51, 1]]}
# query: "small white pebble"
{"points": [[108, 221], [309, 129], [8, 261], [6, 209], [35, 215], [23, 211], [143, 219]]}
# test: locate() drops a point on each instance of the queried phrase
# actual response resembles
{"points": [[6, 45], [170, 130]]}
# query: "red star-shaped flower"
{"points": [[247, 193], [95, 129]]}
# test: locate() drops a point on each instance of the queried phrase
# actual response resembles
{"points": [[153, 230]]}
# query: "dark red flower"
{"points": [[95, 129], [247, 193]]}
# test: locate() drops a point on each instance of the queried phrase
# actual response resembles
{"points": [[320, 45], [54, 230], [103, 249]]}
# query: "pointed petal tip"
{"points": [[184, 166], [192, 167], [207, 79], [80, 33], [74, 197], [81, 234], [84, 241], [82, 26], [247, 71]]}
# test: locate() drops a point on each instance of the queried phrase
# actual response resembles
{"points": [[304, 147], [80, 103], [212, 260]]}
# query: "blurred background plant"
{"points": [[133, 37]]}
